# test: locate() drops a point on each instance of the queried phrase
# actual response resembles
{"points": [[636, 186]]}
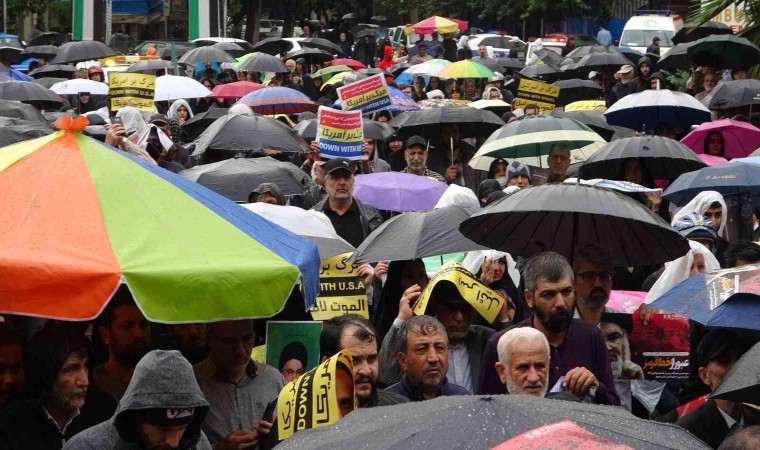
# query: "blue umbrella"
{"points": [[400, 102], [689, 298], [16, 75], [732, 178]]}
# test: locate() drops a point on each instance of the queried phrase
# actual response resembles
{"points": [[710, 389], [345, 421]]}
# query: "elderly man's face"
{"points": [[426, 359], [613, 335], [71, 382], [416, 157], [292, 369], [717, 368], [457, 319], [528, 368], [340, 184], [291, 65]]}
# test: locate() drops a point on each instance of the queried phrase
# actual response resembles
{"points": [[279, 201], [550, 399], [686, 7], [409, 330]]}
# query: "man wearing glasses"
{"points": [[593, 282]]}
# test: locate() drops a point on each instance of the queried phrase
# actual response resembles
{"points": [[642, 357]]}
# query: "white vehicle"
{"points": [[498, 45], [642, 28]]}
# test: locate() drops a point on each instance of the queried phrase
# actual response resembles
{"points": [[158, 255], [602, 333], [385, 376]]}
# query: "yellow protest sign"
{"points": [[485, 301], [132, 89], [341, 291], [543, 95], [311, 401]]}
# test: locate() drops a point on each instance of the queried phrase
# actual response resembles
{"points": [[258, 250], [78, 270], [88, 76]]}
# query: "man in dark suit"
{"points": [[715, 419]]}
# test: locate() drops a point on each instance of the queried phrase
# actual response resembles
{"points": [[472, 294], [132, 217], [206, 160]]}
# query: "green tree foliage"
{"points": [[702, 12]]}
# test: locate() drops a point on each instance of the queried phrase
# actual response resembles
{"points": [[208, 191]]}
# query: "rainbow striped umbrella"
{"points": [[79, 218], [465, 69], [437, 24], [278, 100]]}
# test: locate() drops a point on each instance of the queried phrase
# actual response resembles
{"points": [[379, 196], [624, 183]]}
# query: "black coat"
{"points": [[707, 423]]}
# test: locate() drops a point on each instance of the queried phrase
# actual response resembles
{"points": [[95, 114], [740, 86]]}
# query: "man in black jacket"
{"points": [[641, 83], [622, 87]]}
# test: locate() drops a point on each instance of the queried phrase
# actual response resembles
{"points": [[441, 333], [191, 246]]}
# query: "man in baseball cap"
{"points": [[416, 154], [620, 89], [518, 174]]}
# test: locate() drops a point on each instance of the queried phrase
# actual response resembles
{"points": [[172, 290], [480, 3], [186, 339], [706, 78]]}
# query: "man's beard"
{"points": [[132, 354], [596, 299], [513, 389], [362, 400], [556, 322], [617, 367]]}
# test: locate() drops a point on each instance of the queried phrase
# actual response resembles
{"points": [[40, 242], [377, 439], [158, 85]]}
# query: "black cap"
{"points": [[447, 293], [714, 344], [624, 321], [656, 38], [339, 164], [394, 137], [416, 140]]}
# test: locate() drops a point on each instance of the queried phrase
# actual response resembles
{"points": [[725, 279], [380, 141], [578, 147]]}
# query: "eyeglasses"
{"points": [[590, 276]]}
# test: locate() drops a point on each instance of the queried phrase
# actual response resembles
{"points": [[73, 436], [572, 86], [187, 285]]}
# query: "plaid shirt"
{"points": [[428, 173]]}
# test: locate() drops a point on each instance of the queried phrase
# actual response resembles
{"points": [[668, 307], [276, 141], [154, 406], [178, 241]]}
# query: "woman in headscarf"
{"points": [[712, 205], [301, 66], [133, 120], [433, 84], [310, 87], [401, 276], [714, 144], [492, 268], [418, 89], [698, 260], [498, 171], [470, 90], [178, 114]]}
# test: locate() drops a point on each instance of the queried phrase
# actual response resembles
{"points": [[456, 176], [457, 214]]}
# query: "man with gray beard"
{"points": [[593, 282], [524, 361]]}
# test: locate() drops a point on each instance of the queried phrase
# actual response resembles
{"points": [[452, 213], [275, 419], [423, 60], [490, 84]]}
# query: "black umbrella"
{"points": [[366, 32], [676, 58], [598, 60], [49, 81], [742, 382], [662, 158], [724, 51], [196, 125], [574, 90], [690, 32], [548, 56], [427, 123], [733, 94], [10, 53], [597, 122], [500, 42], [373, 129], [580, 52], [273, 46], [311, 55], [40, 51], [373, 71], [483, 422], [263, 62], [349, 16], [166, 52], [546, 72], [54, 70], [149, 66], [73, 52], [44, 38], [206, 54], [562, 217], [18, 130], [235, 178], [379, 19], [322, 44], [415, 235], [398, 69], [17, 110], [32, 93], [232, 49], [501, 64], [243, 133], [633, 55]]}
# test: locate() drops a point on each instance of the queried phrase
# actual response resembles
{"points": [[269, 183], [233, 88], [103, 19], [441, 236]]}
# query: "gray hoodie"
{"points": [[162, 379]]}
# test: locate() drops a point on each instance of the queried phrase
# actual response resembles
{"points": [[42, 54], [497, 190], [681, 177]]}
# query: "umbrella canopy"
{"points": [[676, 58], [531, 139], [278, 100], [662, 158], [78, 51], [574, 90], [40, 51], [231, 48], [633, 55], [17, 110], [724, 51], [740, 139], [395, 191], [502, 64], [242, 133], [261, 62], [597, 60], [562, 217], [711, 160], [31, 93], [439, 103], [580, 52], [373, 129], [235, 178], [149, 66], [309, 224], [322, 44], [466, 68], [546, 72], [196, 125], [497, 107], [19, 130], [482, 422], [74, 87], [733, 94], [732, 178], [170, 87], [690, 32], [311, 55], [206, 54], [415, 235], [596, 121], [742, 382], [472, 122], [112, 214], [237, 89], [437, 24], [351, 63], [328, 72], [49, 82], [273, 46], [651, 108], [53, 70]]}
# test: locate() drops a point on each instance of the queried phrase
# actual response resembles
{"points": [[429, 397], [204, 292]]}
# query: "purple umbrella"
{"points": [[399, 192]]}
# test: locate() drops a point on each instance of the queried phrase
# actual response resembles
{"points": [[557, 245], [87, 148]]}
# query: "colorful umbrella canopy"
{"points": [[437, 24], [740, 139], [81, 217], [465, 69], [352, 63], [711, 160], [237, 89], [395, 191], [337, 78], [278, 100], [328, 72]]}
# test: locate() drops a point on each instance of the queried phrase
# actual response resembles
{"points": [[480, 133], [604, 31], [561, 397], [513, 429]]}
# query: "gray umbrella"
{"points": [[273, 46], [18, 110], [196, 125], [373, 129], [596, 121], [72, 52], [677, 57], [232, 48], [415, 235], [40, 51], [732, 94], [235, 178], [49, 81], [53, 70], [18, 130], [205, 54], [263, 63], [482, 422], [545, 72], [32, 93], [742, 382], [322, 44], [242, 133], [150, 66], [562, 217]]}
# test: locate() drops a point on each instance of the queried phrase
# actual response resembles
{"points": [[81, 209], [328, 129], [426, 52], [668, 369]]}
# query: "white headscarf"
{"points": [[458, 195], [475, 260], [240, 109], [133, 120], [700, 204], [678, 270], [172, 114]]}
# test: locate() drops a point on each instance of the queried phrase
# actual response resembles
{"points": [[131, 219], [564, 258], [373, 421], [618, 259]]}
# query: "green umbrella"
{"points": [[531, 138], [329, 72], [465, 69], [724, 51]]}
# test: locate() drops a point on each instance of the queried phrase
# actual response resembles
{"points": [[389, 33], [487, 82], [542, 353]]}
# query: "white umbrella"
{"points": [[74, 87], [427, 68], [170, 87], [311, 225]]}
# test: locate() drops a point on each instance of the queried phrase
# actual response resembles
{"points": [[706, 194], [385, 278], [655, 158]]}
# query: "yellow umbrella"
{"points": [[436, 23], [335, 79], [584, 105]]}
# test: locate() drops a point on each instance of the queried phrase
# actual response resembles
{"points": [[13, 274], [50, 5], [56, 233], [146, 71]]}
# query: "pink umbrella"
{"points": [[626, 301], [352, 63], [739, 138], [711, 160]]}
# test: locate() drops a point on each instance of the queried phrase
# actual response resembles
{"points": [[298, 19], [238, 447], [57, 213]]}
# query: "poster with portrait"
{"points": [[292, 347], [656, 351]]}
